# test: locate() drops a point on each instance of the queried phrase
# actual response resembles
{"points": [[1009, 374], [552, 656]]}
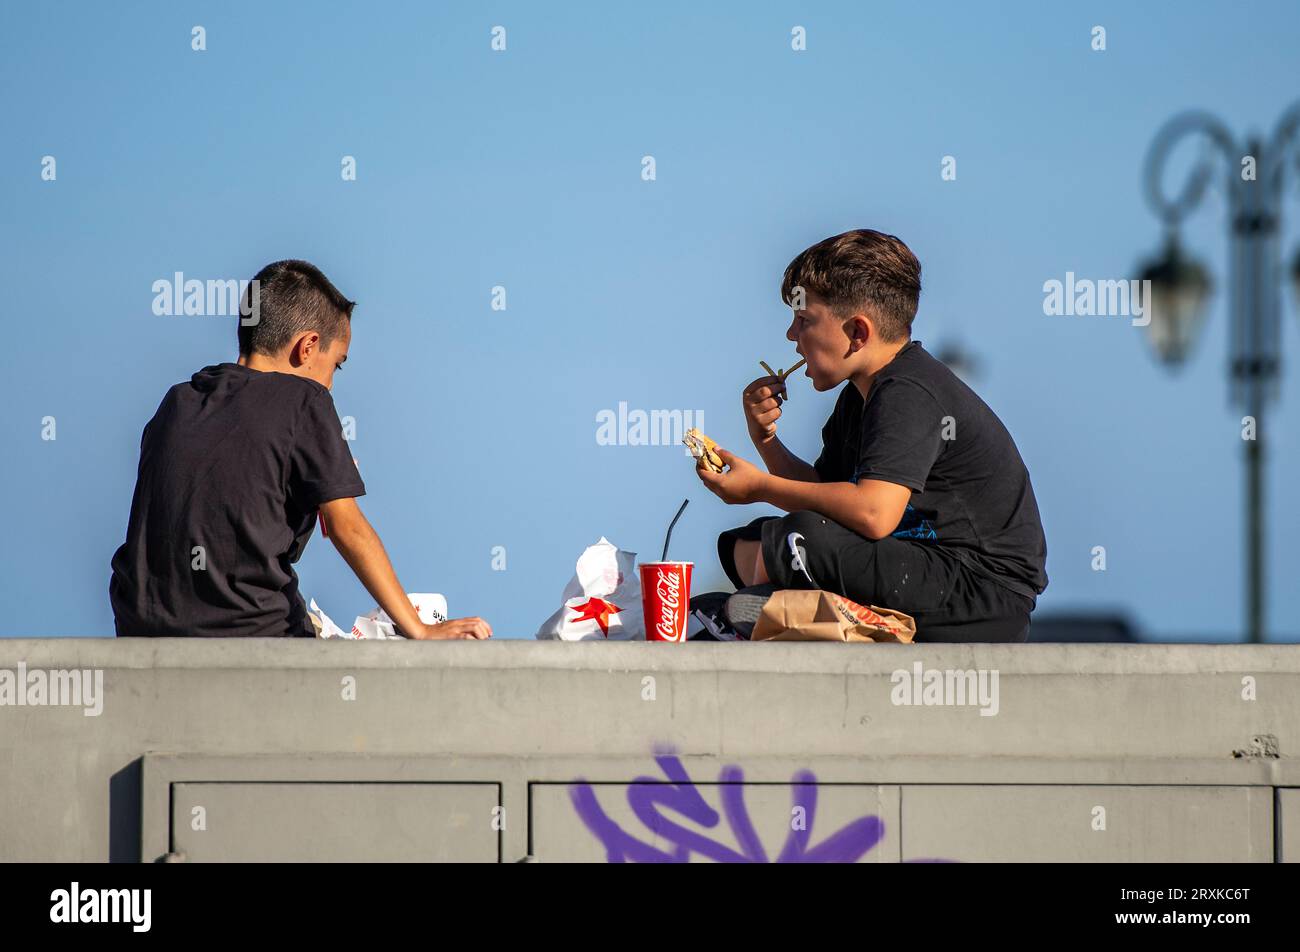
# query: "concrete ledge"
{"points": [[810, 658], [441, 733]]}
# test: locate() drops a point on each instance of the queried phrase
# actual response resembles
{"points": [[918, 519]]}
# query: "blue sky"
{"points": [[477, 428]]}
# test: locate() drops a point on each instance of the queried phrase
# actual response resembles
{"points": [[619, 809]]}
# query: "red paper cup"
{"points": [[666, 599]]}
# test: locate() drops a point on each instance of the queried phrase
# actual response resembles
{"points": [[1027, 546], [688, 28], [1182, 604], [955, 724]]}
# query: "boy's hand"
{"points": [[360, 547], [762, 401], [742, 482], [456, 629]]}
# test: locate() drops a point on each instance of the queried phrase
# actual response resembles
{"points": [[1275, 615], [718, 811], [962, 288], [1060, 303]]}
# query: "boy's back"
{"points": [[233, 468], [923, 428]]}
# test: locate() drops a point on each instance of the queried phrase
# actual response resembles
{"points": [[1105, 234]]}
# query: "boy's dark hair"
{"points": [[858, 269], [293, 297]]}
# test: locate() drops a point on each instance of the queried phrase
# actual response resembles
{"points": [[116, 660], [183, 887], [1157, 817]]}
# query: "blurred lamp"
{"points": [[1295, 278], [959, 360], [1180, 287]]}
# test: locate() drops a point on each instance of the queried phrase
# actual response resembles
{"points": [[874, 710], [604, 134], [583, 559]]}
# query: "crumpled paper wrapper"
{"points": [[376, 625]]}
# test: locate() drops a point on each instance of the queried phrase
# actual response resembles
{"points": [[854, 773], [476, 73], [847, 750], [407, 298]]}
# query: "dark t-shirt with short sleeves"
{"points": [[233, 468], [923, 428]]}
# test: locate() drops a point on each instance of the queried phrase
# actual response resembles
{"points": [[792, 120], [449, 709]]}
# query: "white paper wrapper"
{"points": [[607, 573], [376, 625]]}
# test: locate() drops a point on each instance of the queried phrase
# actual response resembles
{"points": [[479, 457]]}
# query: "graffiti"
{"points": [[651, 800]]}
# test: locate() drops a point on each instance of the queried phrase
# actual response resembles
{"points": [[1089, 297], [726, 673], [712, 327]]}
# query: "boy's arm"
{"points": [[362, 549], [781, 462], [872, 507], [762, 401]]}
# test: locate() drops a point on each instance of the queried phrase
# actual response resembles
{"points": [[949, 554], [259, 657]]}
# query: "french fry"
{"points": [[782, 374]]}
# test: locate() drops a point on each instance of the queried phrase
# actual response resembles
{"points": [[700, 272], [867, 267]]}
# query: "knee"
{"points": [[810, 525], [801, 550]]}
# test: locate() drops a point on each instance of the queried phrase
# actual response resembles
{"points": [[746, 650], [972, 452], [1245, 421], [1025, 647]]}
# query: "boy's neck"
{"points": [[865, 377], [264, 363]]}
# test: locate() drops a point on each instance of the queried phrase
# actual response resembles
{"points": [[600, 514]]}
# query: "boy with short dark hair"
{"points": [[234, 468], [919, 500]]}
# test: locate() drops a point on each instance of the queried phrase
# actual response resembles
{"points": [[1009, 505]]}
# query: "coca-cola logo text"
{"points": [[668, 587]]}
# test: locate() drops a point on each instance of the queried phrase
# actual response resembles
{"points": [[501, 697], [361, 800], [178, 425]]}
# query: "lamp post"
{"points": [[1255, 180]]}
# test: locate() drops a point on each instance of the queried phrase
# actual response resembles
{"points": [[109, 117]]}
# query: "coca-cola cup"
{"points": [[666, 599]]}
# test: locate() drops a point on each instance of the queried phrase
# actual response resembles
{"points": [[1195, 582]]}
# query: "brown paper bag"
{"points": [[814, 615]]}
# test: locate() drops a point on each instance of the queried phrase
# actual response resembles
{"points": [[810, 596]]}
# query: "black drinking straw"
{"points": [[685, 503]]}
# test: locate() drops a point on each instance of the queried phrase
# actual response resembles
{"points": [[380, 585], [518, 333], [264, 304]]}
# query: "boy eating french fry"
{"points": [[919, 500]]}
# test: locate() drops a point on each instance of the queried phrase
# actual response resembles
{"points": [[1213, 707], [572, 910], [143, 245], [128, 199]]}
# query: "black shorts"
{"points": [[949, 600]]}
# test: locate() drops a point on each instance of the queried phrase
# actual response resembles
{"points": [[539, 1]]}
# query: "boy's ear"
{"points": [[860, 331], [302, 349]]}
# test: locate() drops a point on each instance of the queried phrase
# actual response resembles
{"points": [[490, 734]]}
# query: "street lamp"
{"points": [[954, 355], [1254, 182], [1179, 289], [1295, 278]]}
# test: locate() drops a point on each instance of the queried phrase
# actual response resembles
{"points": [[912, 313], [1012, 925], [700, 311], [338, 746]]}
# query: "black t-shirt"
{"points": [[233, 468], [922, 428]]}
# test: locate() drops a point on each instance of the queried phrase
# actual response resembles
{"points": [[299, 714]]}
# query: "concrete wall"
{"points": [[499, 751]]}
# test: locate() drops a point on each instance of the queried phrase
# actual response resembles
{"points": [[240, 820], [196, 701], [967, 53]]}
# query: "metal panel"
{"points": [[1006, 823], [335, 822], [696, 821], [1288, 825]]}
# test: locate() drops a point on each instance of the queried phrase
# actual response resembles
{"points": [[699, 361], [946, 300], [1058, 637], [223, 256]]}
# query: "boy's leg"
{"points": [[948, 600], [749, 563], [807, 550], [741, 572], [979, 610]]}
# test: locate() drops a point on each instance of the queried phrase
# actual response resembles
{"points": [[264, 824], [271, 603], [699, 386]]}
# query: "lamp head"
{"points": [[1180, 287]]}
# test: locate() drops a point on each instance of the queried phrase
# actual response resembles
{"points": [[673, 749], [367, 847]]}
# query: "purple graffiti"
{"points": [[650, 799]]}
